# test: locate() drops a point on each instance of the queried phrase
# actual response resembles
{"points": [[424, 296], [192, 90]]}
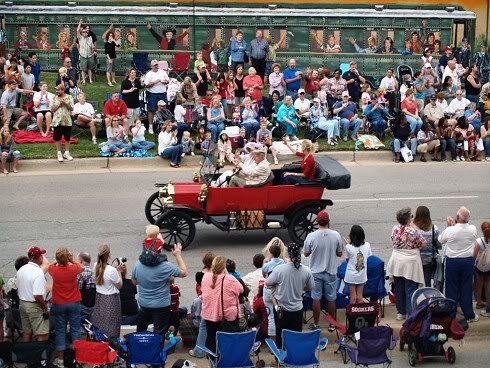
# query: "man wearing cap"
{"points": [[252, 174], [347, 112], [431, 81], [302, 105], [377, 114], [433, 111], [482, 61], [31, 287], [292, 76], [168, 42], [156, 81], [323, 246], [162, 115], [463, 53], [9, 104], [354, 81]]}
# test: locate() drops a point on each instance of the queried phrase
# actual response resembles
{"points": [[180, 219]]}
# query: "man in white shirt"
{"points": [[458, 240], [253, 278], [302, 105], [390, 85], [252, 174], [83, 114], [450, 71], [458, 105], [433, 111], [156, 81], [31, 287]]}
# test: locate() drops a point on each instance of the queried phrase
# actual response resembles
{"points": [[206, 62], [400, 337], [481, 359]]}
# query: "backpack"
{"points": [[149, 257], [483, 259]]}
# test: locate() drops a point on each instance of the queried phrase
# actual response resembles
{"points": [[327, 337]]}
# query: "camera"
{"points": [[119, 261], [122, 260]]}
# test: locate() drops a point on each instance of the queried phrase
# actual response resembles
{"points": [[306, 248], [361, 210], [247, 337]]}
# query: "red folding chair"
{"points": [[180, 65], [94, 353]]}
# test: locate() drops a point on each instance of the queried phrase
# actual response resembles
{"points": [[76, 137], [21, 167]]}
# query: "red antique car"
{"points": [[177, 207]]}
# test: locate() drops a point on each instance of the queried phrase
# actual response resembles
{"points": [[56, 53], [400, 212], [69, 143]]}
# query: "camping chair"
{"points": [[85, 129], [402, 70], [34, 353], [140, 62], [357, 316], [371, 346], [233, 350], [374, 290], [95, 353], [308, 306], [146, 348], [163, 65], [299, 349], [180, 65]]}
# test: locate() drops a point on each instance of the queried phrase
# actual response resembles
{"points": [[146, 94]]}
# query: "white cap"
{"points": [[161, 103], [427, 66], [154, 62], [316, 99], [345, 93], [301, 90]]}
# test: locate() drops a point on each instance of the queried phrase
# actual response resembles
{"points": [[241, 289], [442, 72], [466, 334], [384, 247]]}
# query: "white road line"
{"points": [[401, 199]]}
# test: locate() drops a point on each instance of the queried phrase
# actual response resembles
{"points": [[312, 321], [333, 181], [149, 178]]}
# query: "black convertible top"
{"points": [[332, 174]]}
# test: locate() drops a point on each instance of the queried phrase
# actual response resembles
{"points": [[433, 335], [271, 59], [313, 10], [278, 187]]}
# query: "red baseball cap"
{"points": [[35, 252], [323, 218], [447, 48]]}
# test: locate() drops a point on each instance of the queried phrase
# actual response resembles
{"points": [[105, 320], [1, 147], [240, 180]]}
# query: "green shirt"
{"points": [[272, 52], [62, 116], [221, 56]]}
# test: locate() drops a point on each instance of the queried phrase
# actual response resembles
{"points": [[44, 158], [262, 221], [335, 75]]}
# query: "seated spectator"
{"points": [[188, 91], [402, 136], [63, 78], [433, 111], [8, 151], [264, 137], [13, 72], [84, 115], [347, 112], [8, 103], [188, 144], [168, 146], [335, 87], [71, 79], [319, 119], [116, 137], [127, 293], [302, 105], [139, 142], [445, 133], [458, 105], [377, 115], [216, 118], [41, 100], [116, 107], [287, 116], [427, 141], [86, 285], [250, 120], [162, 115], [473, 116], [411, 111], [485, 136], [449, 89], [406, 84], [441, 101]]}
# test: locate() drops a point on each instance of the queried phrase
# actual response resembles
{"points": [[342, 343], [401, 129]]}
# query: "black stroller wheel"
{"points": [[412, 355], [451, 355]]}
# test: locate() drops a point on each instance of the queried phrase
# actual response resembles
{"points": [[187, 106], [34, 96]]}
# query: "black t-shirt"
{"points": [[202, 88], [110, 49], [239, 92], [402, 133], [353, 88], [131, 99], [129, 306]]}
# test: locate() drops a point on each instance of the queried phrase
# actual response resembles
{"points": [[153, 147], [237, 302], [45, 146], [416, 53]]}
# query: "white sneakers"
{"points": [[150, 129], [400, 317], [276, 162], [193, 154], [64, 156], [474, 319], [60, 156], [58, 362], [94, 140]]}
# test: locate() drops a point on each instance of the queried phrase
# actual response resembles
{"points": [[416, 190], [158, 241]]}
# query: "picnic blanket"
{"points": [[369, 142], [132, 153], [22, 136]]}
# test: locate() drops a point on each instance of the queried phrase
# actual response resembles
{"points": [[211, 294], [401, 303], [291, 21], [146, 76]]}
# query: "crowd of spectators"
{"points": [[449, 94], [269, 299]]}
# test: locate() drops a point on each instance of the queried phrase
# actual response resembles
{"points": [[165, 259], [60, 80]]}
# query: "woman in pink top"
{"points": [[276, 81], [217, 285], [255, 81]]}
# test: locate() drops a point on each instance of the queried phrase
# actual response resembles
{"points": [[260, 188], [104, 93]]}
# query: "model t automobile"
{"points": [[177, 207]]}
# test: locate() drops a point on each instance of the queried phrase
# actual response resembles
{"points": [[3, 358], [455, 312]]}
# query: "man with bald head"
{"points": [[458, 238]]}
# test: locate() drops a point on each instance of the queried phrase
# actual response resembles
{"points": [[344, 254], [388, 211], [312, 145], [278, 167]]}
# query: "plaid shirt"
{"points": [[86, 279]]}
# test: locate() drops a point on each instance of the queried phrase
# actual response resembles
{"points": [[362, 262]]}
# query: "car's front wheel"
{"points": [[176, 227], [302, 223], [154, 207]]}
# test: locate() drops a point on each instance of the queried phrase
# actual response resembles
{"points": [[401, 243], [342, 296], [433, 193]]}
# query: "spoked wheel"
{"points": [[176, 227], [153, 207], [451, 355], [302, 223], [412, 355]]}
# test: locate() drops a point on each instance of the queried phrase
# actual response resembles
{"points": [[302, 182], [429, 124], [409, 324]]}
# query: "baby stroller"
{"points": [[430, 326]]}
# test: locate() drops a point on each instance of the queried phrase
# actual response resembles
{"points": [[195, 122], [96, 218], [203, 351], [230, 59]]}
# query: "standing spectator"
{"points": [[130, 90], [431, 81], [7, 149], [110, 58], [390, 85], [272, 55], [35, 69], [482, 61], [276, 81], [115, 107], [354, 80], [290, 280], [84, 114], [222, 57], [443, 60], [472, 84], [312, 82], [324, 246], [463, 53], [347, 112], [66, 300], [253, 278], [42, 100], [259, 50], [450, 71], [107, 310], [87, 50], [154, 283], [168, 42], [86, 285], [31, 288], [8, 103], [405, 265], [27, 81], [482, 279], [155, 81], [238, 49], [238, 85], [458, 239], [61, 106], [203, 79], [292, 77], [252, 80], [219, 302], [357, 252], [420, 89], [168, 146], [410, 108]]}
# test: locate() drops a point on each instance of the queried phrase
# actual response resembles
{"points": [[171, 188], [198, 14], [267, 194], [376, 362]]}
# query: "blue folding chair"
{"points": [[146, 348], [299, 349], [233, 350]]}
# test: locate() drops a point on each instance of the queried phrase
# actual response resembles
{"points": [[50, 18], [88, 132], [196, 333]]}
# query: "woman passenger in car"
{"points": [[307, 165]]}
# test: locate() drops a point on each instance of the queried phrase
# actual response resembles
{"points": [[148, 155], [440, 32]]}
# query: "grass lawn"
{"points": [[98, 91]]}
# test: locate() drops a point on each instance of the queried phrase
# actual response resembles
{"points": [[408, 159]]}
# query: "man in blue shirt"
{"points": [[347, 112], [238, 48], [259, 49], [35, 69], [377, 114], [154, 288], [292, 76]]}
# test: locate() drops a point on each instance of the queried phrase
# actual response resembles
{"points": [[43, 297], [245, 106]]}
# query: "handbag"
{"points": [[228, 326]]}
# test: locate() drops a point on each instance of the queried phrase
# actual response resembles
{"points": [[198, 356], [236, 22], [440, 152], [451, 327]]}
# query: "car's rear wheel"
{"points": [[302, 223], [154, 207], [176, 227]]}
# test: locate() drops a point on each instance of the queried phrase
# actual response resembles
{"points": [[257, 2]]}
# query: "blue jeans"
{"points": [[331, 126], [251, 126], [355, 124], [451, 144], [428, 272], [325, 286], [64, 314], [289, 129], [459, 283], [486, 144], [216, 129], [415, 124], [476, 124], [293, 179], [114, 146], [143, 145], [379, 127], [201, 339], [270, 316], [404, 290], [398, 144], [174, 153]]}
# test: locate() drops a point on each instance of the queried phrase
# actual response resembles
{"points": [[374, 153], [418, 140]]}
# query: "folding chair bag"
{"points": [[29, 352], [96, 353], [144, 348]]}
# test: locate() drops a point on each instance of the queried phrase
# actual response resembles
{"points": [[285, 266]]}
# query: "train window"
{"points": [[316, 39], [63, 37], [280, 37], [130, 42], [184, 41]]}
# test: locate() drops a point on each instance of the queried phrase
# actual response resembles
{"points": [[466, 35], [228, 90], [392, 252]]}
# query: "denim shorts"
{"points": [[152, 100], [325, 285]]}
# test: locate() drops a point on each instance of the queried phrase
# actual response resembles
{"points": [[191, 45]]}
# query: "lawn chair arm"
{"points": [[323, 343], [394, 340], [172, 344], [280, 355], [346, 346], [338, 326], [256, 346], [207, 351]]}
